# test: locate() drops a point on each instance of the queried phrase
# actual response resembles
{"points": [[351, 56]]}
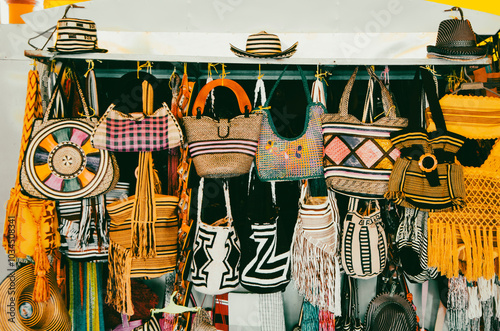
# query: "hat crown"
{"points": [[455, 33], [263, 43]]}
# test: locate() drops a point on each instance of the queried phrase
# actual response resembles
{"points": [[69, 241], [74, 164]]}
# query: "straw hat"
{"points": [[18, 310], [264, 45]]}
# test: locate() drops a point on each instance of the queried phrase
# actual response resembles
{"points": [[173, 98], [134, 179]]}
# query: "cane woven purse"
{"points": [[60, 162], [359, 156], [225, 147], [279, 158]]}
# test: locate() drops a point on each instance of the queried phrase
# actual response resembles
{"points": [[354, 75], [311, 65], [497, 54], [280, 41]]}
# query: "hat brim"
{"points": [[281, 55], [465, 53]]}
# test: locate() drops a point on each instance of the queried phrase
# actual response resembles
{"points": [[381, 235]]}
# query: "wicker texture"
{"points": [[359, 156]]}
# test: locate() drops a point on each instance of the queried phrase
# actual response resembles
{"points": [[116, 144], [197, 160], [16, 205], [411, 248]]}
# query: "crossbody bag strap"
{"points": [[431, 93], [225, 187], [304, 84], [55, 91]]}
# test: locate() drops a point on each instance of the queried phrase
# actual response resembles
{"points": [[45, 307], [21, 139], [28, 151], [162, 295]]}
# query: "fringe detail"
{"points": [[42, 268], [310, 319], [458, 298], [326, 321], [475, 258], [119, 291], [144, 210], [316, 272], [474, 310]]}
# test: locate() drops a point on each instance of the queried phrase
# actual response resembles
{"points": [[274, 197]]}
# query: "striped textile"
{"points": [[248, 147], [408, 184], [136, 132], [165, 231], [224, 147], [411, 241], [76, 35], [221, 312], [364, 245]]}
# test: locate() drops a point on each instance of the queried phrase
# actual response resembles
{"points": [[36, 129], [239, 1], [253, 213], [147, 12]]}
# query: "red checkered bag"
{"points": [[137, 132]]}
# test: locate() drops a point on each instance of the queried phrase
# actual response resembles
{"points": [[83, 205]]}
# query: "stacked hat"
{"points": [[76, 35], [264, 45], [456, 41]]}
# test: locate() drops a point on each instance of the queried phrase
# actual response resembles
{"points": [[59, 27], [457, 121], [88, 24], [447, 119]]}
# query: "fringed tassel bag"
{"points": [[315, 260], [31, 223]]}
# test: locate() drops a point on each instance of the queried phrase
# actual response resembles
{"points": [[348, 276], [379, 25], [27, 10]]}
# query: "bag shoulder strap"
{"points": [[430, 90], [389, 107], [225, 187], [304, 83], [242, 97]]}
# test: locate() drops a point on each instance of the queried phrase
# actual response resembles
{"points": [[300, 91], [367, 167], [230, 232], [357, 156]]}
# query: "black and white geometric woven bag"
{"points": [[364, 243]]}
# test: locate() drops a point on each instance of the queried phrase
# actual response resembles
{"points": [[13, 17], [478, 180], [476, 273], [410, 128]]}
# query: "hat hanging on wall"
{"points": [[456, 40], [18, 310], [264, 45]]}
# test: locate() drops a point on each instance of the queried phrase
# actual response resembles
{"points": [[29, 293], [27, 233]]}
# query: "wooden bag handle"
{"points": [[241, 95]]}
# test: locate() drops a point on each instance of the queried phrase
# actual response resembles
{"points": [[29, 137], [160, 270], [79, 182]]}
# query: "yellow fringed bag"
{"points": [[471, 232]]}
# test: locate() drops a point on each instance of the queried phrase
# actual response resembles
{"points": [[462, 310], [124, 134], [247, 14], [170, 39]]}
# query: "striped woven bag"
{"points": [[222, 148], [364, 244]]}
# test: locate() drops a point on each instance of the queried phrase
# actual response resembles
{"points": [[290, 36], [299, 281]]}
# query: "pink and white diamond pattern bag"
{"points": [[359, 156]]}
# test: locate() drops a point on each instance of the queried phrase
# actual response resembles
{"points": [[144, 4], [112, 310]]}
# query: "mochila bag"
{"points": [[315, 260], [359, 155], [279, 158], [426, 176], [265, 250], [83, 226], [364, 244], [222, 148], [215, 268], [60, 162], [143, 236], [137, 132], [411, 242]]}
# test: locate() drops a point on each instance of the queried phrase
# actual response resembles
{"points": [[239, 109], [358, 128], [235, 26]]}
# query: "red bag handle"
{"points": [[241, 95]]}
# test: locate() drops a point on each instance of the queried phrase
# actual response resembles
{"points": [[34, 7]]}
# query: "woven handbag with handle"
{"points": [[359, 156], [222, 148], [60, 162], [280, 158]]}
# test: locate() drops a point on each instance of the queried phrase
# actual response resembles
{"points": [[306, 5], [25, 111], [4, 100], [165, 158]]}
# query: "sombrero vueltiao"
{"points": [[456, 41], [264, 45], [18, 310]]}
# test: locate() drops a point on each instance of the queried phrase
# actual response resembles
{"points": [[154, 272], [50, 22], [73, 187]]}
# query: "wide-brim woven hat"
{"points": [[264, 45], [18, 310], [456, 41], [390, 312], [76, 35]]}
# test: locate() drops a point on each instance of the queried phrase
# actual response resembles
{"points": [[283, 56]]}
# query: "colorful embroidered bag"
{"points": [[364, 244], [279, 158], [222, 148], [359, 156], [426, 175], [60, 163]]}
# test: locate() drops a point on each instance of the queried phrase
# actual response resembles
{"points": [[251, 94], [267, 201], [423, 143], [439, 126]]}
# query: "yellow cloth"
{"points": [[473, 117], [466, 240]]}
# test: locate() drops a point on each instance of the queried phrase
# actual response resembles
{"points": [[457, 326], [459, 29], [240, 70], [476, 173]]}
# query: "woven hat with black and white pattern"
{"points": [[76, 35], [264, 45]]}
